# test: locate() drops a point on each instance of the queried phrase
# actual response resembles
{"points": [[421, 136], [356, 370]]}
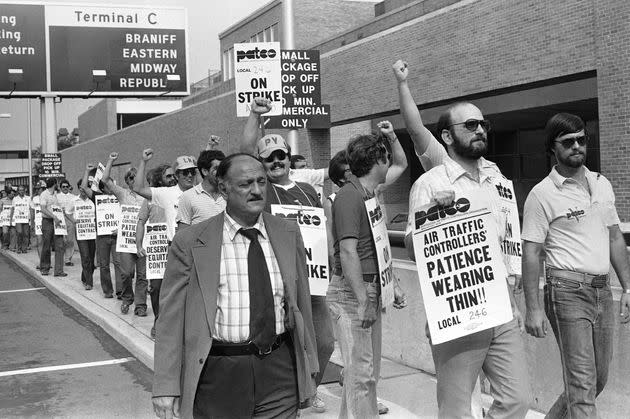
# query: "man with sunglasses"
{"points": [[571, 215], [130, 264], [498, 351]]}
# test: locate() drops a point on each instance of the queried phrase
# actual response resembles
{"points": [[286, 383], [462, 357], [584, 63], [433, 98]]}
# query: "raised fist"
{"points": [[401, 70], [386, 128], [260, 105], [147, 154], [113, 155], [213, 142], [89, 167]]}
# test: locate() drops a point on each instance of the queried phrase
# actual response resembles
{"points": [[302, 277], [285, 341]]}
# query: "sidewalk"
{"points": [[408, 392]]}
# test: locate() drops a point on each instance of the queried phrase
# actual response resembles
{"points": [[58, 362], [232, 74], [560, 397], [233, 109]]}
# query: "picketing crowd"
{"points": [[224, 246]]}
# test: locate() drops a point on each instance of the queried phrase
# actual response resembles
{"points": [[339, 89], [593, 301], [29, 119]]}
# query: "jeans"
{"points": [[500, 353], [68, 242], [12, 238], [48, 239], [130, 262], [86, 251], [21, 229], [6, 237], [582, 319], [107, 246], [360, 349], [324, 337]]}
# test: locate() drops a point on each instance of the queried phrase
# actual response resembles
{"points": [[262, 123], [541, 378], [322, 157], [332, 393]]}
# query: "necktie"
{"points": [[262, 319]]}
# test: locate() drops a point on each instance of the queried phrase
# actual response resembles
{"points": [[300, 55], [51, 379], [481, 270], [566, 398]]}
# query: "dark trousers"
{"points": [[107, 246], [156, 284], [87, 248], [130, 263], [21, 229], [324, 337], [48, 240], [248, 386]]}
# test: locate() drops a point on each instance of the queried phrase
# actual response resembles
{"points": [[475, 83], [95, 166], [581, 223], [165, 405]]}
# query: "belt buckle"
{"points": [[599, 281], [266, 352]]}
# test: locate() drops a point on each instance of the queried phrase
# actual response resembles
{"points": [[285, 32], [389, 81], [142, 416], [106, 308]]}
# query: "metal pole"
{"points": [[30, 148], [288, 42]]}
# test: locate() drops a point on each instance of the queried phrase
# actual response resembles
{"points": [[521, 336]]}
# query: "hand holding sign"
{"points": [[260, 106], [444, 198], [400, 299], [147, 154], [401, 70]]}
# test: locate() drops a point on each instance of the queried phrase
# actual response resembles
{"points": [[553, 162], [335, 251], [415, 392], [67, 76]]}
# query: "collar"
{"points": [[233, 227], [559, 180], [359, 186], [454, 170]]}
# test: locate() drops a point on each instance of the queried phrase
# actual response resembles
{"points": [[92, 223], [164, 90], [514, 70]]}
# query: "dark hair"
{"points": [[364, 151], [79, 183], [158, 173], [226, 164], [296, 158], [206, 158], [64, 182], [446, 119], [131, 172], [50, 182], [560, 124], [336, 169]]}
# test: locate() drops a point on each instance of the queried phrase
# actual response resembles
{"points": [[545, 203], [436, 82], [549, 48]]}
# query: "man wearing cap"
{"points": [[570, 216]]}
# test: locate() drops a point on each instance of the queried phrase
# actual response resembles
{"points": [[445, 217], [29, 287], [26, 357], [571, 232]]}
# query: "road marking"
{"points": [[23, 289], [66, 367]]}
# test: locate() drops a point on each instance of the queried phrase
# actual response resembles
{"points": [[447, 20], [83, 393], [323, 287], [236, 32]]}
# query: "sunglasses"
{"points": [[472, 124], [280, 154], [188, 172], [568, 142]]}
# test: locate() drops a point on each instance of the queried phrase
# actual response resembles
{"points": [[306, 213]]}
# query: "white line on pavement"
{"points": [[23, 289], [66, 367]]}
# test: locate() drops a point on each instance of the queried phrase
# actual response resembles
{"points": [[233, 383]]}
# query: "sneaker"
{"points": [[140, 311], [318, 404], [61, 274], [153, 333], [124, 308], [382, 409], [45, 272], [87, 287]]}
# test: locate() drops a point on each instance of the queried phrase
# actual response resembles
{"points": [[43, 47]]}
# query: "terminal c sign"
{"points": [[78, 50]]}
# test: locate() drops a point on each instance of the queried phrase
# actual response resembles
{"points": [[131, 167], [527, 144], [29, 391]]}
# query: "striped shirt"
{"points": [[232, 317], [197, 205]]}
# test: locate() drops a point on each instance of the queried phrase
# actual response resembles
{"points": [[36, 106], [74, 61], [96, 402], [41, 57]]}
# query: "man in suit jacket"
{"points": [[219, 364]]}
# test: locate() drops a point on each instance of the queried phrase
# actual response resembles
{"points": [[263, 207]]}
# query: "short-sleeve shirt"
{"points": [[151, 213], [197, 205], [66, 201], [296, 193], [314, 177], [25, 203], [571, 222], [126, 196], [46, 199], [350, 221], [168, 199]]}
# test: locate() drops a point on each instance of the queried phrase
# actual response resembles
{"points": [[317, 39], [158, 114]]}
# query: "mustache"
{"points": [[255, 198], [277, 165]]}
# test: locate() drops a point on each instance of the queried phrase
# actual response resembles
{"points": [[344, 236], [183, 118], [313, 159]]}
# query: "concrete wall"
{"points": [[98, 121]]}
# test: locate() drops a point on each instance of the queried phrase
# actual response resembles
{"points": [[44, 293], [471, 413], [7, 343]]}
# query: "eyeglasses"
{"points": [[64, 186], [188, 172], [472, 124], [568, 142], [131, 177], [169, 176], [280, 154]]}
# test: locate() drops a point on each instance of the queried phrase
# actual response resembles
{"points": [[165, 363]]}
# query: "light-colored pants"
{"points": [[69, 242], [360, 350], [498, 352]]}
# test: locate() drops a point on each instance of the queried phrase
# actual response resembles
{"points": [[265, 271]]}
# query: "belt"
{"points": [[595, 281], [366, 277], [248, 348]]}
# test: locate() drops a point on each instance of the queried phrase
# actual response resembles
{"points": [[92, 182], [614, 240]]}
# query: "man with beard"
{"points": [[571, 215], [204, 200], [498, 352]]}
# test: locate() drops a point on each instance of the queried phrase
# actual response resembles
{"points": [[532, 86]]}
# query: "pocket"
{"points": [[562, 285]]}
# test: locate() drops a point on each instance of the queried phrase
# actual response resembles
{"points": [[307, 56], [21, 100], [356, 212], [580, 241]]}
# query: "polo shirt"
{"points": [[571, 222], [197, 205]]}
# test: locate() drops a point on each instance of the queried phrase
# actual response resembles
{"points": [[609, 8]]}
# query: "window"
{"points": [[228, 64]]}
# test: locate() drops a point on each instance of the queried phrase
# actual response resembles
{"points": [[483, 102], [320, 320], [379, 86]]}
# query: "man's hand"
{"points": [[147, 154], [444, 198], [213, 142], [386, 129], [624, 308], [401, 70], [113, 156], [400, 299], [89, 167], [141, 252], [535, 323], [166, 407], [367, 313], [260, 106]]}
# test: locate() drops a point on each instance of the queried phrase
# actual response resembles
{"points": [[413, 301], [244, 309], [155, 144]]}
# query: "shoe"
{"points": [[61, 274], [140, 311], [317, 404], [110, 295], [153, 333], [118, 296], [124, 308], [45, 273], [87, 287], [69, 264], [382, 409]]}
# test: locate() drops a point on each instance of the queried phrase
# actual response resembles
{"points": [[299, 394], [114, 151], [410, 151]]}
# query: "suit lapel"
{"points": [[206, 258], [283, 243]]}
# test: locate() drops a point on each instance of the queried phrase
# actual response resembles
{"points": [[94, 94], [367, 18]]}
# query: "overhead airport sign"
{"points": [[95, 50]]}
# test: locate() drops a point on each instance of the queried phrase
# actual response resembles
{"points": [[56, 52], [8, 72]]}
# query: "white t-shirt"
{"points": [[168, 199], [314, 177], [66, 201]]}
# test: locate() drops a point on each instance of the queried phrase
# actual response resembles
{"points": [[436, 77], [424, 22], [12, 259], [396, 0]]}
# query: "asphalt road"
{"points": [[54, 362]]}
